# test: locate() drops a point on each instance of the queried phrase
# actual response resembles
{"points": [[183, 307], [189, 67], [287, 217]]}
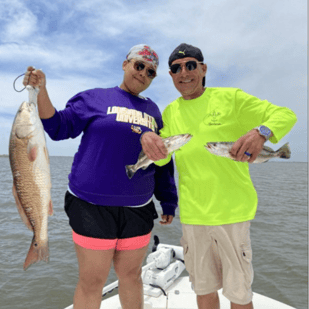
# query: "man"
{"points": [[217, 199]]}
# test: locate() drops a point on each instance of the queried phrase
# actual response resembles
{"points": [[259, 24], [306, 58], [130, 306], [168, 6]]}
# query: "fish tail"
{"points": [[130, 170], [37, 253], [284, 152]]}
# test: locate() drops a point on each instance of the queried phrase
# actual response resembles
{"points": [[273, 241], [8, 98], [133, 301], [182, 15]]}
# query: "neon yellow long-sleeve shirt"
{"points": [[216, 190]]}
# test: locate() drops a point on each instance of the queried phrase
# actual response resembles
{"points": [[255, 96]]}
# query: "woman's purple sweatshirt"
{"points": [[112, 121]]}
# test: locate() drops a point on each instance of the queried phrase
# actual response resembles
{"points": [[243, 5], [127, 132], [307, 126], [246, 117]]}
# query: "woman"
{"points": [[111, 216]]}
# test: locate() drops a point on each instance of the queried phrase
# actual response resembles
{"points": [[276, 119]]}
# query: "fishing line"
{"points": [[17, 79]]}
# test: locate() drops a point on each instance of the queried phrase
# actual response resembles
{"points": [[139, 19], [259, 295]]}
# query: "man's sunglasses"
{"points": [[190, 65], [140, 66]]}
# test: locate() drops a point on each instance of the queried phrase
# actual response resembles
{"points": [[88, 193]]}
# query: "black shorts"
{"points": [[106, 227]]}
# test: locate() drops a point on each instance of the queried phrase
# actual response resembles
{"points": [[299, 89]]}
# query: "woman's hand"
{"points": [[166, 219], [34, 78]]}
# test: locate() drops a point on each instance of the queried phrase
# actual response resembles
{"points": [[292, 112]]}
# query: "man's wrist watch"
{"points": [[264, 131]]}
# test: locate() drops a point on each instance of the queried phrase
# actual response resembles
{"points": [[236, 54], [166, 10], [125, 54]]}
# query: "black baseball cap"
{"points": [[185, 50]]}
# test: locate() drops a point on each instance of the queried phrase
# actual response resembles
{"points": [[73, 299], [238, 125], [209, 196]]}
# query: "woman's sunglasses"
{"points": [[140, 66], [190, 65]]}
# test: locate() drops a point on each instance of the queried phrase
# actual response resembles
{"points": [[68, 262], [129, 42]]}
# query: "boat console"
{"points": [[162, 271]]}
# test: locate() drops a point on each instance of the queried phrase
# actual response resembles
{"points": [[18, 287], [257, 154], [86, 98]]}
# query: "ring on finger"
{"points": [[248, 154]]}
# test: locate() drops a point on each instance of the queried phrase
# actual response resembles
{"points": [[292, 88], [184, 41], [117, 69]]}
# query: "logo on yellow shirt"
{"points": [[213, 118]]}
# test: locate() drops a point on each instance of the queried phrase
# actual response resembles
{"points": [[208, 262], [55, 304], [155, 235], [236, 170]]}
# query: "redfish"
{"points": [[30, 167]]}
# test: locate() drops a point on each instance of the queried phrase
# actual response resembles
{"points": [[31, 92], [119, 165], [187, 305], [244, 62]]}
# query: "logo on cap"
{"points": [[181, 52]]}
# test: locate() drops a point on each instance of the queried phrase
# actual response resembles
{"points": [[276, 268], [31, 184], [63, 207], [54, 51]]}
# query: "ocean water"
{"points": [[279, 235]]}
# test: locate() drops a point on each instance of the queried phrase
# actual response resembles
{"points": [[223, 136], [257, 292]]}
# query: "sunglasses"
{"points": [[140, 66], [190, 65]]}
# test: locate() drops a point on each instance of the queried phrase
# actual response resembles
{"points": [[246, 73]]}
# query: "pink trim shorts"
{"points": [[131, 243], [99, 227]]}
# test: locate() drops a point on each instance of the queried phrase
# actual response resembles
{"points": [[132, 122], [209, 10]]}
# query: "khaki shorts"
{"points": [[219, 257]]}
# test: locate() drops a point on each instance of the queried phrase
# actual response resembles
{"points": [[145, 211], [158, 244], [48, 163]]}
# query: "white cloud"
{"points": [[20, 23], [114, 17], [62, 56], [21, 27]]}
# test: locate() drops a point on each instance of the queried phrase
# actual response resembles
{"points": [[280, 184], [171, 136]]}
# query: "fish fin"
{"points": [[36, 253], [268, 149], [21, 209], [32, 153], [141, 154], [145, 167], [50, 208], [284, 152], [130, 171]]}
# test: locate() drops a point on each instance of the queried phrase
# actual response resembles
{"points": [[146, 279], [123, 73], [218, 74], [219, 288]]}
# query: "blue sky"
{"points": [[258, 46]]}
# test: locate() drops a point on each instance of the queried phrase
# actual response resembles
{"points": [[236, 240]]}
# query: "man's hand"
{"points": [[251, 143], [153, 146], [166, 219]]}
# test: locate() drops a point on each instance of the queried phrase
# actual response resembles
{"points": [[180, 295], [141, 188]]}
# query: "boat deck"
{"points": [[181, 296]]}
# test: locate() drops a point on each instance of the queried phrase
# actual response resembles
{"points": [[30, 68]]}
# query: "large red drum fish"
{"points": [[31, 176]]}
